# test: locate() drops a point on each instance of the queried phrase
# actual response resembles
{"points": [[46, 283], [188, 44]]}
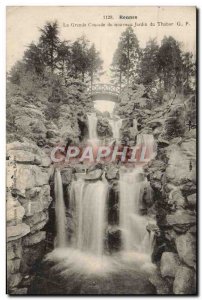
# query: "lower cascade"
{"points": [[133, 225], [83, 246], [88, 202]]}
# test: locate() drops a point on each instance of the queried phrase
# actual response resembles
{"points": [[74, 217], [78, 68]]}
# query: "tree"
{"points": [[188, 71], [95, 63], [33, 58], [126, 57], [80, 59], [170, 63], [49, 42], [148, 70], [64, 58]]}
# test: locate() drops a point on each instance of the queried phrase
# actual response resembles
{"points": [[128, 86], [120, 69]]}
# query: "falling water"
{"points": [[60, 211], [148, 143], [116, 126], [135, 124], [133, 225], [92, 126], [89, 205]]}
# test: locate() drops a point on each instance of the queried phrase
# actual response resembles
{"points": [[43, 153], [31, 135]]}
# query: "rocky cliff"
{"points": [[28, 199]]}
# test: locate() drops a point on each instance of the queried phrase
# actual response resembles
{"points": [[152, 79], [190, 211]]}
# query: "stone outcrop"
{"points": [[173, 178], [28, 199]]}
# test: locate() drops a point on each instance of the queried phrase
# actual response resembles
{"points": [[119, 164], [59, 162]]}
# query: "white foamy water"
{"points": [[92, 126], [88, 201], [60, 211], [116, 126], [136, 240]]}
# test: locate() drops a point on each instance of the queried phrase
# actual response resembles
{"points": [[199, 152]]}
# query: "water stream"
{"points": [[88, 201], [60, 211], [133, 225], [84, 253], [116, 126]]}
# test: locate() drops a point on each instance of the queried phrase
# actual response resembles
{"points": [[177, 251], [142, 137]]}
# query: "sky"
{"points": [[23, 23]]}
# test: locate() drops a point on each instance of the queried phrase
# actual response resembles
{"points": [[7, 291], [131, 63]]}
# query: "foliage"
{"points": [[126, 58], [103, 127]]}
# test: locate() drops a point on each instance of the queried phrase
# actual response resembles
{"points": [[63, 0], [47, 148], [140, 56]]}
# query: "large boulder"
{"points": [[192, 201], [181, 167], [37, 200], [169, 264], [37, 221], [186, 248], [35, 238], [29, 176], [16, 232], [66, 175], [184, 282], [180, 217], [94, 174], [112, 173], [14, 211], [174, 122]]}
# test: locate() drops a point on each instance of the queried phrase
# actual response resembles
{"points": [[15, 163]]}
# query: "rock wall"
{"points": [[28, 199], [173, 178]]}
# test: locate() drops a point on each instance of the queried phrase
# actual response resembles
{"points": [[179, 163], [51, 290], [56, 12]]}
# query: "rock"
{"points": [[160, 284], [162, 143], [66, 174], [181, 228], [178, 170], [52, 134], [193, 230], [13, 265], [35, 238], [18, 291], [186, 248], [169, 264], [29, 176], [155, 123], [94, 175], [14, 211], [192, 200], [14, 249], [184, 281], [28, 152], [22, 156], [176, 199], [45, 161], [37, 221], [153, 227], [38, 199], [13, 280], [112, 172], [114, 238], [180, 217], [188, 188], [16, 232], [174, 123], [32, 255]]}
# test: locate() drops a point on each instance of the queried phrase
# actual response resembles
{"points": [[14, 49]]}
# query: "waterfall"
{"points": [[133, 225], [88, 201], [116, 126], [60, 211], [92, 126], [135, 124], [147, 141]]}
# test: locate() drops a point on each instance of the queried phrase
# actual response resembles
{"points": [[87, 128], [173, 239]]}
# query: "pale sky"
{"points": [[23, 24]]}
